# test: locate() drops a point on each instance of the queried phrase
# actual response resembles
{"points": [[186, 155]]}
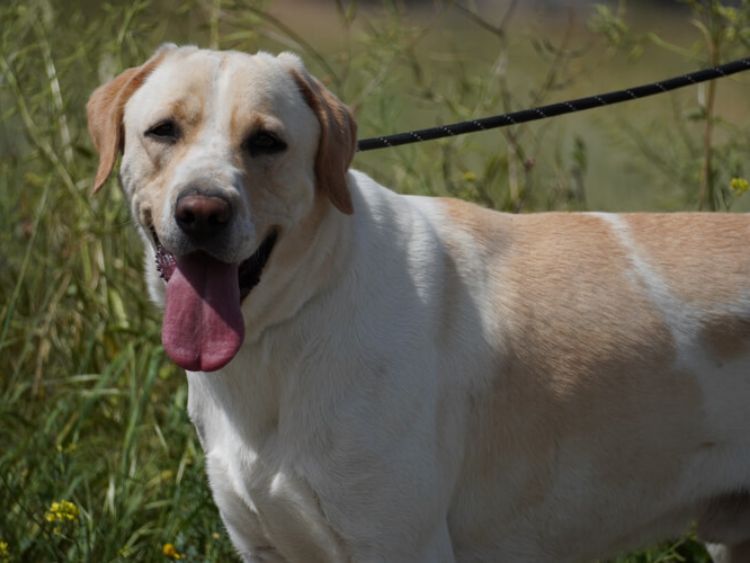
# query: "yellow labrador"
{"points": [[404, 378]]}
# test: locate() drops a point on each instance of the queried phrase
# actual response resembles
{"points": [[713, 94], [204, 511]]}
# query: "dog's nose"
{"points": [[202, 216]]}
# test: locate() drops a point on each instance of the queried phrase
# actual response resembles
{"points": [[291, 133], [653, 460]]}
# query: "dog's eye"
{"points": [[165, 131], [263, 142]]}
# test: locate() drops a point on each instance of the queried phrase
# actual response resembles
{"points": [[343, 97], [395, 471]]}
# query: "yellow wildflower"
{"points": [[63, 511], [4, 551], [171, 552], [66, 449], [739, 185], [469, 176]]}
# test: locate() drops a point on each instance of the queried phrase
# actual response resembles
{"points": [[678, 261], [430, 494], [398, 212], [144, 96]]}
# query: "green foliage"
{"points": [[90, 413], [92, 416], [709, 151], [685, 550]]}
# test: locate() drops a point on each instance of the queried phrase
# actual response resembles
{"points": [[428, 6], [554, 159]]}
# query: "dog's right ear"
{"points": [[105, 111]]}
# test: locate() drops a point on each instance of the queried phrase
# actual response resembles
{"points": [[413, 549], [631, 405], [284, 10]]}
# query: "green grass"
{"points": [[90, 410]]}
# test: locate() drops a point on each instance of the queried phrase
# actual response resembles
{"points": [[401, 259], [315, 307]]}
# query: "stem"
{"points": [[706, 199], [214, 24], [33, 132], [56, 91]]}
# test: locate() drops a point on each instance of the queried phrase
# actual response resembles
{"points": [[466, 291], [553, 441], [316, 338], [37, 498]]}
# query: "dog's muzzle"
{"points": [[203, 327]]}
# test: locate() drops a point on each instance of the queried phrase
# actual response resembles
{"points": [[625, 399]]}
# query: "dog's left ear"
{"points": [[338, 134], [105, 111]]}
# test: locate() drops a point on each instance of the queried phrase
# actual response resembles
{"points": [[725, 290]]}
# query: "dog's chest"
{"points": [[270, 510], [275, 512]]}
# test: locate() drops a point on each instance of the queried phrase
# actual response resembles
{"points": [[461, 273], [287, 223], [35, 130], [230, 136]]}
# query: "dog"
{"points": [[413, 379]]}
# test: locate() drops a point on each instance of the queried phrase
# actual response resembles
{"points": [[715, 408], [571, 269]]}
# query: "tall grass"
{"points": [[90, 411]]}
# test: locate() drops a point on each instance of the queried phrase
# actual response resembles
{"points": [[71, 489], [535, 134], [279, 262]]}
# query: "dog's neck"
{"points": [[249, 389], [307, 260]]}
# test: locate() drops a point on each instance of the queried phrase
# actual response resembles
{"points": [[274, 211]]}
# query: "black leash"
{"points": [[552, 110]]}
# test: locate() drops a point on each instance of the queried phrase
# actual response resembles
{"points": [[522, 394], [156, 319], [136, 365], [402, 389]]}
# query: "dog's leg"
{"points": [[439, 548], [726, 526]]}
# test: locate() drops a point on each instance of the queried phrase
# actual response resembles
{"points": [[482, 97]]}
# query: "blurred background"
{"points": [[98, 461]]}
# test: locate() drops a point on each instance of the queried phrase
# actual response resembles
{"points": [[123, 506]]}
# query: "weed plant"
{"points": [[98, 461]]}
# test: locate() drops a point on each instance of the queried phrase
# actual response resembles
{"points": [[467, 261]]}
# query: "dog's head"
{"points": [[222, 154]]}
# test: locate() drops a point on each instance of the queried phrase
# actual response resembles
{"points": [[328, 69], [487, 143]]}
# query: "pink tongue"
{"points": [[203, 326]]}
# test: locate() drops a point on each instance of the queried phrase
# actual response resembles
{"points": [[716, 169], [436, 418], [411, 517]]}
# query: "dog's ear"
{"points": [[338, 135], [105, 111]]}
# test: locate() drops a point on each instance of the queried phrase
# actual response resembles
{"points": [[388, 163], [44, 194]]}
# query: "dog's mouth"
{"points": [[203, 327], [249, 271]]}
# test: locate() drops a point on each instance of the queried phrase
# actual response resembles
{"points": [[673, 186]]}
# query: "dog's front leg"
{"points": [[437, 548]]}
